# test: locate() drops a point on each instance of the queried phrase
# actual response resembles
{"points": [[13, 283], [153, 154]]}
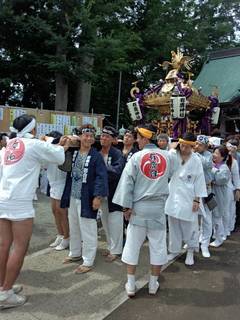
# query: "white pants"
{"points": [[232, 219], [183, 231], [206, 227], [83, 234], [113, 226], [136, 236], [226, 220], [218, 228]]}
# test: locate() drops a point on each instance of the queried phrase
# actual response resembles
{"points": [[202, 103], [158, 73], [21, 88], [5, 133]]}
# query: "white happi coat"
{"points": [[56, 178], [187, 182], [234, 182], [1, 152], [21, 163], [206, 159], [221, 181], [143, 186]]}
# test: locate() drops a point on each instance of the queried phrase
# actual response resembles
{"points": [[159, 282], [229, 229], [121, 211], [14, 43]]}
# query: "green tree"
{"points": [[55, 51]]}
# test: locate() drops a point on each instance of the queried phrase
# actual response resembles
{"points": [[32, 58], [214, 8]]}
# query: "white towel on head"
{"points": [[215, 141], [25, 132]]}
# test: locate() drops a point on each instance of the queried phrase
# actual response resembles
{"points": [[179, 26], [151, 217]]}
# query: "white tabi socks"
{"points": [[205, 251], [190, 258], [153, 285], [130, 286]]}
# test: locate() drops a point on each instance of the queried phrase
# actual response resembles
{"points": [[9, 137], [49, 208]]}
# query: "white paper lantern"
{"points": [[215, 115], [134, 110], [178, 107]]}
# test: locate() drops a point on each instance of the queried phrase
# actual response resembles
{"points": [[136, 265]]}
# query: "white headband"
{"points": [[229, 145], [88, 130], [215, 141], [110, 132], [25, 132]]}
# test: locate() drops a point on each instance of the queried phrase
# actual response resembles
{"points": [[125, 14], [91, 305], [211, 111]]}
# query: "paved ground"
{"points": [[209, 290], [53, 289]]}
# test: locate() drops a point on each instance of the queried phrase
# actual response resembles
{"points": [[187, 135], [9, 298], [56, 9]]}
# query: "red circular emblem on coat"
{"points": [[14, 151], [153, 165]]}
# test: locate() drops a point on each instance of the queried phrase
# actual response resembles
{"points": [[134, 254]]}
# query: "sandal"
{"points": [[82, 269], [71, 260], [111, 257], [105, 253]]}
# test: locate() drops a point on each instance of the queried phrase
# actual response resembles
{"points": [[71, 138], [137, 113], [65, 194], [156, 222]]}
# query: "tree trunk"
{"points": [[61, 99], [83, 90]]}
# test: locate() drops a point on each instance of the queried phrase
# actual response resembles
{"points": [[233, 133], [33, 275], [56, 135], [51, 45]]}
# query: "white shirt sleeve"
{"points": [[0, 164], [200, 183], [235, 175], [46, 152], [206, 161]]}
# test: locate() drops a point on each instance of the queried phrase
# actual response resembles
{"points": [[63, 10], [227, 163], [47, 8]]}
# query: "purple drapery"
{"points": [[187, 92], [205, 123], [179, 125]]}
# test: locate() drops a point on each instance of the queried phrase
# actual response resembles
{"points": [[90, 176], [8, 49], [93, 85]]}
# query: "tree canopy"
{"points": [[46, 44]]}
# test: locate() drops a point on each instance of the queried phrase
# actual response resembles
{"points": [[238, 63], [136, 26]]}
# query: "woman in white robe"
{"points": [[201, 150], [21, 163], [221, 178], [234, 188]]}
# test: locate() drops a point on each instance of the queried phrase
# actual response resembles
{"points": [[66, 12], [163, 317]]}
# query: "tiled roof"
{"points": [[222, 70]]}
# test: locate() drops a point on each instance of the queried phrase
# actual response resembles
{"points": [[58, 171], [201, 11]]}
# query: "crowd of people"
{"points": [[175, 194]]}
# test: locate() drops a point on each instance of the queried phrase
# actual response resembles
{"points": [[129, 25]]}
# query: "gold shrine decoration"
{"points": [[134, 89], [174, 86], [198, 101], [156, 100], [178, 61]]}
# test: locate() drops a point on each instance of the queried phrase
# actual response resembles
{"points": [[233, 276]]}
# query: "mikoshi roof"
{"points": [[221, 70]]}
